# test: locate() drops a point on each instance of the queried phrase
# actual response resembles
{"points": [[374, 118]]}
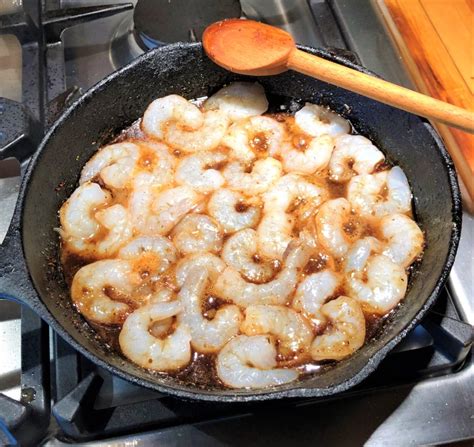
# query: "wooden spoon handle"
{"points": [[381, 90]]}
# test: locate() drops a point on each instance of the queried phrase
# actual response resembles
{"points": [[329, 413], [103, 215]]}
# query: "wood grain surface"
{"points": [[435, 39]]}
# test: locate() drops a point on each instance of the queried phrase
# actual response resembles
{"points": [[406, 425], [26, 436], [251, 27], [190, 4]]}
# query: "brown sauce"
{"points": [[316, 263], [201, 372]]}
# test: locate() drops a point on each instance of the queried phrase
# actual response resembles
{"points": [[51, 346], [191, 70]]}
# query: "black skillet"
{"points": [[29, 269]]}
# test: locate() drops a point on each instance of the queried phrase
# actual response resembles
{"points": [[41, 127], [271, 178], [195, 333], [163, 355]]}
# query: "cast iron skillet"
{"points": [[29, 269]]}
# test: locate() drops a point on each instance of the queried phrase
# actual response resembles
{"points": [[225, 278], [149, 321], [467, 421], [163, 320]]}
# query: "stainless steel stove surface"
{"points": [[421, 394]]}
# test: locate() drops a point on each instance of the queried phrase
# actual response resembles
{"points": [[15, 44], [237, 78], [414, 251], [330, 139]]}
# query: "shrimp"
{"points": [[232, 211], [162, 295], [182, 125], [330, 220], [197, 232], [293, 332], [78, 217], [239, 100], [200, 171], [165, 353], [156, 253], [207, 335], [274, 233], [116, 219], [404, 239], [313, 291], [293, 191], [155, 167], [353, 153], [103, 291], [263, 174], [82, 224], [212, 263], [360, 252], [260, 135], [157, 213], [290, 193], [307, 160], [77, 213], [232, 287], [317, 121], [380, 194], [250, 362], [114, 163], [240, 252], [379, 285], [344, 335]]}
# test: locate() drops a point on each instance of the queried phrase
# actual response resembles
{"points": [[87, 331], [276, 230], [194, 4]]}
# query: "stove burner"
{"points": [[159, 22]]}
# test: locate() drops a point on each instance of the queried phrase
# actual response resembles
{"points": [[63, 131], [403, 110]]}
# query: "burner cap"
{"points": [[167, 21]]}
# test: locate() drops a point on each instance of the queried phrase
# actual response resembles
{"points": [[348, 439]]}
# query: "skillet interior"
{"points": [[183, 69]]}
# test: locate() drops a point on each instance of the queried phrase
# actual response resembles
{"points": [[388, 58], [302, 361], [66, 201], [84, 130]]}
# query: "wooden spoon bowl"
{"points": [[248, 47]]}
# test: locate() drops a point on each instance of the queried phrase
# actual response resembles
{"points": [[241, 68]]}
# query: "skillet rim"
{"points": [[203, 395]]}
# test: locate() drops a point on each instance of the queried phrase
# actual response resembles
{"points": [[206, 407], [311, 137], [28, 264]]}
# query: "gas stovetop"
{"points": [[421, 394]]}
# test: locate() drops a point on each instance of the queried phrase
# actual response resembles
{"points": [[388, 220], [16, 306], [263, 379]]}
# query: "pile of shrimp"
{"points": [[264, 241]]}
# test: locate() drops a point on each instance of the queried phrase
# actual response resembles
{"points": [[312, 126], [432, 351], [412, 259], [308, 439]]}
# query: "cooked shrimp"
{"points": [[231, 286], [240, 252], [380, 194], [293, 332], [313, 291], [249, 362], [260, 135], [114, 163], [307, 160], [207, 335], [239, 100], [103, 291], [197, 232], [161, 354], [116, 220], [291, 198], [157, 253], [232, 211], [155, 167], [264, 173], [330, 220], [212, 263], [157, 213], [293, 191], [317, 121], [199, 171], [182, 125], [380, 286], [274, 234], [140, 205], [77, 215], [162, 295], [344, 335], [359, 253], [353, 153], [404, 239], [173, 204]]}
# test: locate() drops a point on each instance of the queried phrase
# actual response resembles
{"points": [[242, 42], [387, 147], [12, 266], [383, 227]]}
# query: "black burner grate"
{"points": [[158, 22]]}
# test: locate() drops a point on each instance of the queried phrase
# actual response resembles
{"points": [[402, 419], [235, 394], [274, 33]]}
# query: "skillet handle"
{"points": [[15, 283], [14, 278], [19, 133]]}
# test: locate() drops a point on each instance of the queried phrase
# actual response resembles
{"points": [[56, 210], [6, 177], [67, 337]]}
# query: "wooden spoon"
{"points": [[253, 48]]}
